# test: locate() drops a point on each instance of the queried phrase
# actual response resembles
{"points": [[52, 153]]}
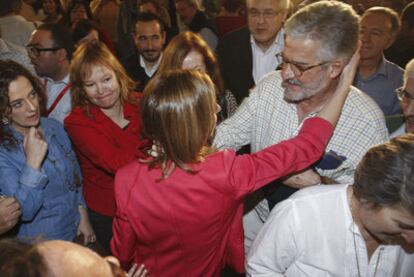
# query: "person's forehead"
{"points": [[42, 37], [301, 49], [377, 20], [263, 4], [147, 27], [409, 85]]}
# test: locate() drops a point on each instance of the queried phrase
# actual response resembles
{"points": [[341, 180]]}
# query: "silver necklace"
{"points": [[355, 246]]}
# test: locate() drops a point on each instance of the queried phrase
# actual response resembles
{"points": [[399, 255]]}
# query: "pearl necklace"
{"points": [[354, 239]]}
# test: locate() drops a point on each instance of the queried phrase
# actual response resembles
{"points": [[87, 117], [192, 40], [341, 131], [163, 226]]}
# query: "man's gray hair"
{"points": [[191, 2], [334, 24], [409, 71], [391, 14], [281, 4]]}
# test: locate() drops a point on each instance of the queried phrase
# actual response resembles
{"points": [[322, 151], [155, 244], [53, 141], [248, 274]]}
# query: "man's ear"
{"points": [[285, 14], [390, 42], [336, 67], [62, 54], [164, 37]]}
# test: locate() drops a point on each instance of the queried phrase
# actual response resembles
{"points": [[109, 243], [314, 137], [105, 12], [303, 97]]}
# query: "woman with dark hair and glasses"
{"points": [[37, 164]]}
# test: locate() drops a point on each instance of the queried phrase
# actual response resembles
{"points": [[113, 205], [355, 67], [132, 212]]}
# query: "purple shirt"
{"points": [[381, 86]]}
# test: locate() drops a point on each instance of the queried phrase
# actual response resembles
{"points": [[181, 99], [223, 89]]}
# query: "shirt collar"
{"points": [[382, 69], [65, 80], [151, 71], [278, 42]]}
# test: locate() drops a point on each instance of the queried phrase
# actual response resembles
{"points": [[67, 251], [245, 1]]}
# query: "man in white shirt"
{"points": [[50, 49], [11, 51], [364, 229], [248, 54], [312, 60], [406, 96], [15, 28], [149, 38]]}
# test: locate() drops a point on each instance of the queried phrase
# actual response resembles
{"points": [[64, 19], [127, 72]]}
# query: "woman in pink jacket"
{"points": [[177, 209]]}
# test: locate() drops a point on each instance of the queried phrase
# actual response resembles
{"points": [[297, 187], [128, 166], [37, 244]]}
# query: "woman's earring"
{"points": [[5, 121]]}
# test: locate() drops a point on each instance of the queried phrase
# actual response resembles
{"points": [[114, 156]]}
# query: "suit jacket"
{"points": [[236, 62], [136, 72]]}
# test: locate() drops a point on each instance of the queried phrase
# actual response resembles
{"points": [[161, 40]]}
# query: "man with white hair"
{"points": [[319, 41], [248, 54], [406, 96]]}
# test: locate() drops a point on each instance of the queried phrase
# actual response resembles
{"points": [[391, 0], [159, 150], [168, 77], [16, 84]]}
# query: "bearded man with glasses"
{"points": [[50, 49], [319, 41], [406, 96]]}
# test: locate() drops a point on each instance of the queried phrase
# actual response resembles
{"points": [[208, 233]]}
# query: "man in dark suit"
{"points": [[149, 40], [247, 54]]}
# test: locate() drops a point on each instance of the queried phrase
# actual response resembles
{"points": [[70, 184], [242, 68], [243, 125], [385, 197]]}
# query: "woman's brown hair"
{"points": [[9, 72], [178, 113], [87, 56], [179, 47]]}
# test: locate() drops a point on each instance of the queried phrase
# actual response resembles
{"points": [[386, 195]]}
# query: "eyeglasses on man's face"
{"points": [[297, 69], [267, 14], [36, 51], [403, 95]]}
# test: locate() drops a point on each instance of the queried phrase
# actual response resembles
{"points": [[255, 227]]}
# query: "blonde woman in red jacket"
{"points": [[105, 128], [178, 210]]}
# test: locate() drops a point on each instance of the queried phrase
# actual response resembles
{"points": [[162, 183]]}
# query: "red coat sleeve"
{"points": [[123, 243], [251, 172]]}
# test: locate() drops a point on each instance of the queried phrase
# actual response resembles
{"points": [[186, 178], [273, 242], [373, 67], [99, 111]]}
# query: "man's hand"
{"points": [[304, 179], [9, 213]]}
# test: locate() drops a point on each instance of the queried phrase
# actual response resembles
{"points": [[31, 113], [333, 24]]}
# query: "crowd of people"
{"points": [[206, 138]]}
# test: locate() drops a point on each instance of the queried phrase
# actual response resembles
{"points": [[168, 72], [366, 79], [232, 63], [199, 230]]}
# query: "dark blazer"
{"points": [[136, 72], [236, 62]]}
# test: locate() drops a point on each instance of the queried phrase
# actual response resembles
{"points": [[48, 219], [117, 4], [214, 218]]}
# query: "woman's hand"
{"points": [[136, 271], [9, 213], [85, 227], [35, 148]]}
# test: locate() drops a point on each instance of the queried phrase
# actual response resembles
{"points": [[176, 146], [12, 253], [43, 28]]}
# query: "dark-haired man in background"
{"points": [[50, 50]]}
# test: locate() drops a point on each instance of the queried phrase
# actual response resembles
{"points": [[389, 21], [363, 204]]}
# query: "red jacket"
{"points": [[191, 225], [102, 148]]}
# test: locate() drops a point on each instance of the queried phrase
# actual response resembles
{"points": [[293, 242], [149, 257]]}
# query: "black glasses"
{"points": [[296, 68], [35, 51], [403, 95]]}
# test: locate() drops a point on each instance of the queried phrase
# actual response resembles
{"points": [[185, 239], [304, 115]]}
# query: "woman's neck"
{"points": [[116, 114]]}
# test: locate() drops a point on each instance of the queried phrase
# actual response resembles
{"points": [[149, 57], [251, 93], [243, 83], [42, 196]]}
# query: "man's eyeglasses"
{"points": [[268, 14], [35, 51], [403, 95], [296, 68]]}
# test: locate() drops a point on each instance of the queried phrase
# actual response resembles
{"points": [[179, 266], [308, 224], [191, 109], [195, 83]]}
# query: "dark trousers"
{"points": [[102, 225]]}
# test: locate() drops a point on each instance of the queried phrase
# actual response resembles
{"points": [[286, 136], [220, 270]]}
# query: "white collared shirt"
{"points": [[265, 62], [64, 107], [313, 234], [152, 70]]}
